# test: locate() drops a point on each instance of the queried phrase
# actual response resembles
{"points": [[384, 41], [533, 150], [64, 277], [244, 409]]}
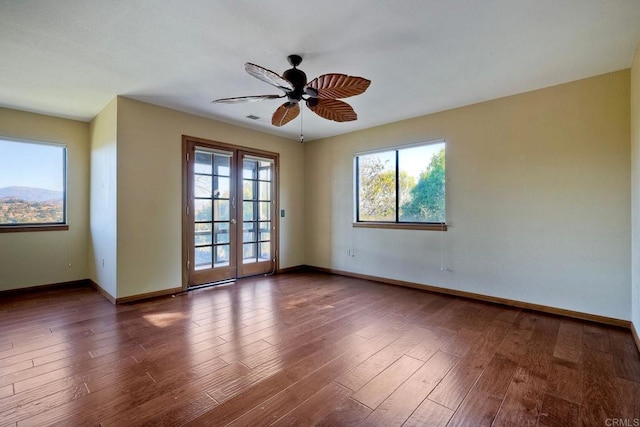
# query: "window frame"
{"points": [[397, 224], [44, 226]]}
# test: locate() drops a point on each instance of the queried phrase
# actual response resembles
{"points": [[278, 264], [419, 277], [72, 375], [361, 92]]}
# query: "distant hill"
{"points": [[30, 194]]}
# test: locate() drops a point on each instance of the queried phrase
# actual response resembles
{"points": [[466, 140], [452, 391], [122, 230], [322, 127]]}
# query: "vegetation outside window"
{"points": [[402, 186], [32, 185]]}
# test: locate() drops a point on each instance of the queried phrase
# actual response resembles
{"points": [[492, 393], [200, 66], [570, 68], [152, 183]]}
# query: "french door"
{"points": [[230, 221]]}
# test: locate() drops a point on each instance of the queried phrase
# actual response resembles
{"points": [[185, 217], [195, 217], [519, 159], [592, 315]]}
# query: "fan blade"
{"points": [[268, 76], [285, 113], [333, 86], [245, 99], [332, 109]]}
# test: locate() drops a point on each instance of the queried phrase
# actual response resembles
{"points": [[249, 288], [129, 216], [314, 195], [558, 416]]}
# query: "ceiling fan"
{"points": [[320, 94]]}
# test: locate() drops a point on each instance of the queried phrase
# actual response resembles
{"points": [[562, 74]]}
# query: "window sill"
{"points": [[35, 227], [401, 226]]}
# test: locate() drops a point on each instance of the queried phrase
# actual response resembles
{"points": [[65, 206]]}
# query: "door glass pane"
{"points": [[222, 255], [249, 252], [265, 211], [250, 169], [264, 172], [222, 187], [248, 189], [203, 234], [221, 210], [222, 232], [202, 186], [265, 251], [265, 191], [203, 210], [203, 258], [247, 211], [222, 165], [265, 231], [249, 232], [203, 163]]}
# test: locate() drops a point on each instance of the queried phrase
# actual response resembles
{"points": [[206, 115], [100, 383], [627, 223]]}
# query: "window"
{"points": [[32, 185], [402, 187]]}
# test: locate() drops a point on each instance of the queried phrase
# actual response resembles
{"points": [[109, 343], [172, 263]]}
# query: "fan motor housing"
{"points": [[298, 79]]}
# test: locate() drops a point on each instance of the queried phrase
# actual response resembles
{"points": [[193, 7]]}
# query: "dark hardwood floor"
{"points": [[307, 349]]}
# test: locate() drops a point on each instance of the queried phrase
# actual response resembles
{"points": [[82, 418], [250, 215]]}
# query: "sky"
{"points": [[31, 165]]}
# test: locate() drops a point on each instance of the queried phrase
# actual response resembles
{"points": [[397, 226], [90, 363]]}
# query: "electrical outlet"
{"points": [[348, 252]]}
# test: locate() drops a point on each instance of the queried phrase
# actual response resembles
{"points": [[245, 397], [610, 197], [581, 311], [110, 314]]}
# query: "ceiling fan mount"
{"points": [[294, 60], [321, 95]]}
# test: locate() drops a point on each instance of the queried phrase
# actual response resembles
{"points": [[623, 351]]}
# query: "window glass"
{"points": [[32, 183], [377, 187], [422, 184]]}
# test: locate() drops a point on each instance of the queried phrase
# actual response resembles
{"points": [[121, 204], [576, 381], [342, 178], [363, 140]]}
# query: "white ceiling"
{"points": [[69, 58]]}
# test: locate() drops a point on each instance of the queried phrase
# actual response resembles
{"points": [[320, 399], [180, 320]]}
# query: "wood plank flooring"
{"points": [[307, 349]]}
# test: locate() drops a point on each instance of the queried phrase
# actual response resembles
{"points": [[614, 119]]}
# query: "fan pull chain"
{"points": [[301, 135]]}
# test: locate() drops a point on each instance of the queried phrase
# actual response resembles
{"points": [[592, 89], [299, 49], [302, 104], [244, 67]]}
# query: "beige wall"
{"points": [[149, 192], [103, 225], [635, 187], [42, 258], [538, 200]]}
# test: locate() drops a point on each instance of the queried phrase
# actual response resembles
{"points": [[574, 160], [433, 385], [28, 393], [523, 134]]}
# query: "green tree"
{"points": [[427, 198], [377, 192]]}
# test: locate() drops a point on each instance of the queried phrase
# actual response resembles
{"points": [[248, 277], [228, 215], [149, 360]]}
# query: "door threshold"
{"points": [[209, 285]]}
